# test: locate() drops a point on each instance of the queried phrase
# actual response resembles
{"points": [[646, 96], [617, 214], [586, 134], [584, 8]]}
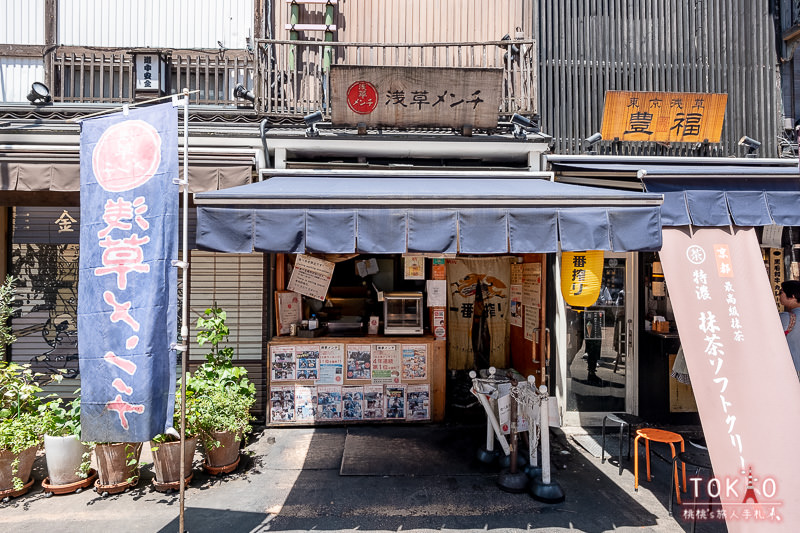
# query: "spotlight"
{"points": [[751, 144], [591, 141], [522, 125], [311, 121], [39, 94], [241, 92]]}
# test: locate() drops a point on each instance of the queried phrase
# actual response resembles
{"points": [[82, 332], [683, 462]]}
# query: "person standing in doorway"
{"points": [[790, 300], [594, 343]]}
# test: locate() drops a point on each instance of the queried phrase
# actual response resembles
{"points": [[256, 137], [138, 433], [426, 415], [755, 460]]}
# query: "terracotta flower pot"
{"points": [[167, 459], [64, 457], [227, 452], [113, 459], [26, 458]]}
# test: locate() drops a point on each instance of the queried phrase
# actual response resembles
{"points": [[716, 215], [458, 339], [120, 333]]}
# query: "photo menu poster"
{"points": [[359, 361], [373, 402], [307, 361], [282, 363], [415, 361], [418, 402], [329, 402], [353, 402], [281, 404], [395, 401]]}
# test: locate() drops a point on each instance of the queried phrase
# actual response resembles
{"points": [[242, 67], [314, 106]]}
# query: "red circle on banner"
{"points": [[362, 97], [126, 156]]}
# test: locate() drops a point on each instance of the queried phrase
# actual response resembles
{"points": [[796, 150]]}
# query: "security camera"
{"points": [[524, 122], [594, 138], [313, 118], [750, 143]]}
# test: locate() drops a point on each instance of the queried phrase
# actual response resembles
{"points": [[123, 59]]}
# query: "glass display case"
{"points": [[402, 313]]}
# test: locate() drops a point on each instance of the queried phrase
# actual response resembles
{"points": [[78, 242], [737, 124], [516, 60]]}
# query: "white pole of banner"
{"points": [[184, 302]]}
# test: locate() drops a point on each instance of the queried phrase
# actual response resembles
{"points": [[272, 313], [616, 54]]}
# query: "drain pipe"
{"points": [[262, 130]]}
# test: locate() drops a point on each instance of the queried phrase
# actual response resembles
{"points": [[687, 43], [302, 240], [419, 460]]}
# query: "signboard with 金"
{"points": [[415, 96], [663, 117]]}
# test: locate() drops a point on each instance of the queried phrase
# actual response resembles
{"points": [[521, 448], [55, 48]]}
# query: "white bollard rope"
{"points": [[481, 388]]}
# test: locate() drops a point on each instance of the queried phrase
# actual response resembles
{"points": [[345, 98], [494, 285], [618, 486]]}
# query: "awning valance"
{"points": [[42, 170], [469, 215], [733, 198]]}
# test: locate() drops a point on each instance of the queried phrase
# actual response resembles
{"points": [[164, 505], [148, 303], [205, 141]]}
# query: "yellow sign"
{"points": [[581, 275], [663, 117]]}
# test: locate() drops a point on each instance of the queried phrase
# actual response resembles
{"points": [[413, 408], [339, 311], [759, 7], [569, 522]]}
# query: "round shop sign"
{"points": [[439, 331], [126, 156], [362, 97]]}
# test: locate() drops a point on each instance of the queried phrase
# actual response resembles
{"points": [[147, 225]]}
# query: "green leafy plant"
{"points": [[213, 331], [219, 395], [7, 293], [21, 425]]}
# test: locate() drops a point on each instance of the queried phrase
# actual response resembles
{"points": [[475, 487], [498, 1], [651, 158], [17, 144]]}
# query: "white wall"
{"points": [[22, 21], [155, 23], [16, 77]]}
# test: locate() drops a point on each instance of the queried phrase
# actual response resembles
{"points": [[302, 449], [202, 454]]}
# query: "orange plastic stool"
{"points": [[657, 435]]}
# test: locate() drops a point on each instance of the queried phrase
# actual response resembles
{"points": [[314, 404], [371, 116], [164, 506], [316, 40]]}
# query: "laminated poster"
{"points": [[281, 403], [282, 363], [305, 403], [385, 364], [418, 401], [395, 402], [415, 361], [531, 321], [373, 402], [353, 402], [414, 267], [359, 361], [516, 273], [532, 284], [516, 306], [329, 402], [331, 357], [504, 410], [307, 361], [289, 306], [311, 276]]}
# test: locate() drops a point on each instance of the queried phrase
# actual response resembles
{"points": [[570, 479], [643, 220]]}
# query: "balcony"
{"points": [[296, 82], [289, 78]]}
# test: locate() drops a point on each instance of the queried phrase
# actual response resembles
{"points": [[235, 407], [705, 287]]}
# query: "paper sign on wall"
{"points": [[311, 276]]}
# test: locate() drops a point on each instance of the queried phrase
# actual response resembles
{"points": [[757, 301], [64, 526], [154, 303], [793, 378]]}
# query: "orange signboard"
{"points": [[663, 117]]}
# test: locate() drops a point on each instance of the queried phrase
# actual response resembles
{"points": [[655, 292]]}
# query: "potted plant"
{"points": [[166, 450], [21, 428], [219, 395], [117, 466], [68, 459], [20, 425]]}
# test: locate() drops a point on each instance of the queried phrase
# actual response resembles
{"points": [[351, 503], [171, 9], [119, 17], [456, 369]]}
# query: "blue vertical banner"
{"points": [[127, 291]]}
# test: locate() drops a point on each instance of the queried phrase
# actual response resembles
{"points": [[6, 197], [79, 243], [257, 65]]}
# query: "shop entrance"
{"points": [[599, 362]]}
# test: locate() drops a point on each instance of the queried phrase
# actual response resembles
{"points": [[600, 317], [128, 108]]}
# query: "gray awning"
{"points": [[472, 214], [714, 192], [712, 201]]}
